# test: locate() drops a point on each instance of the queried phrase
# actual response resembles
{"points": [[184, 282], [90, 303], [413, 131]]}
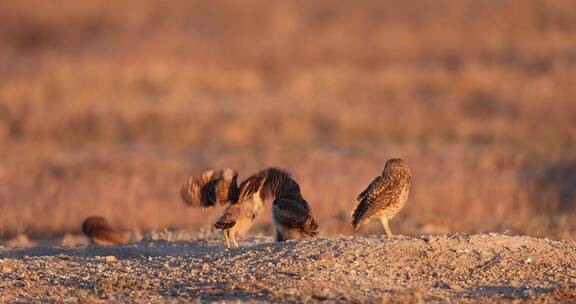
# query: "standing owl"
{"points": [[385, 195]]}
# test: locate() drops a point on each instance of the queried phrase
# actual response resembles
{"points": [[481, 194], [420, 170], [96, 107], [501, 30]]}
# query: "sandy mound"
{"points": [[429, 268]]}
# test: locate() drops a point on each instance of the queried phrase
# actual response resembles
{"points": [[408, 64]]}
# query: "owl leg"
{"points": [[226, 238], [279, 237], [234, 240], [384, 221]]}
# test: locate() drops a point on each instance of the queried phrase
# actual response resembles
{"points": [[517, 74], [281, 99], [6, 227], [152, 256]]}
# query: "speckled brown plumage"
{"points": [[292, 215], [385, 195], [245, 203], [211, 188], [99, 231]]}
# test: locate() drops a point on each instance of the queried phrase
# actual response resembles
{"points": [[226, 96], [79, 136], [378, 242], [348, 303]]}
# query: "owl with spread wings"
{"points": [[291, 213]]}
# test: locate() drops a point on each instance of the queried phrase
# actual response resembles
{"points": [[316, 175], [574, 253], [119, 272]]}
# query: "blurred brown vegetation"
{"points": [[106, 107]]}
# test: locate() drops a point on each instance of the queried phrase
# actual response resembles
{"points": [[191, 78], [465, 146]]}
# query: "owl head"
{"points": [[396, 166]]}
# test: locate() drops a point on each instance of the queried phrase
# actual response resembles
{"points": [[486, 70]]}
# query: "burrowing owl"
{"points": [[246, 202], [385, 196], [291, 213], [99, 231]]}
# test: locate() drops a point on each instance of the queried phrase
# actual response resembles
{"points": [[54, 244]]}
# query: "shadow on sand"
{"points": [[189, 248]]}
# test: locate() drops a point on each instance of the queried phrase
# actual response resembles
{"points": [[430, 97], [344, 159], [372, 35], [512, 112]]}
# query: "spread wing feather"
{"points": [[220, 187], [210, 188], [268, 183]]}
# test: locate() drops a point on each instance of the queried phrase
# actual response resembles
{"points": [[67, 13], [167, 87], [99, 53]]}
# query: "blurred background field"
{"points": [[107, 106]]}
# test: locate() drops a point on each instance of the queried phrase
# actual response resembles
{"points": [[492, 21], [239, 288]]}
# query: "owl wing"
{"points": [[291, 213], [268, 184], [251, 185], [226, 188], [377, 196], [209, 189], [363, 193]]}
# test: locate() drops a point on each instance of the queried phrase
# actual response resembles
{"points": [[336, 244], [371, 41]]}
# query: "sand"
{"points": [[458, 267]]}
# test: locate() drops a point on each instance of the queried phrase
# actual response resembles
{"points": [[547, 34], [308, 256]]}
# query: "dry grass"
{"points": [[106, 107]]}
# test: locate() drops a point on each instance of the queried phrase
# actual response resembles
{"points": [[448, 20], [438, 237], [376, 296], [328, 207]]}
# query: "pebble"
{"points": [[362, 268]]}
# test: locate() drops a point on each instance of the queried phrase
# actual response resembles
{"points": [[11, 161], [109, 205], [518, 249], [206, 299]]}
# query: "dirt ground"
{"points": [[458, 267]]}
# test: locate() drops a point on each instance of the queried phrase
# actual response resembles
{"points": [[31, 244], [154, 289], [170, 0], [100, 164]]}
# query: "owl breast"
{"points": [[397, 203]]}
